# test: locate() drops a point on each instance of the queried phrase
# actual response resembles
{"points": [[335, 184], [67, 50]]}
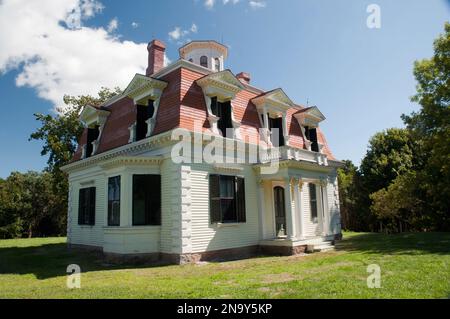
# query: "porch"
{"points": [[294, 209]]}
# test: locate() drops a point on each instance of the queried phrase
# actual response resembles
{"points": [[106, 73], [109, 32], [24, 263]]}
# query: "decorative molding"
{"points": [[126, 150], [228, 168], [87, 183], [195, 45], [132, 161]]}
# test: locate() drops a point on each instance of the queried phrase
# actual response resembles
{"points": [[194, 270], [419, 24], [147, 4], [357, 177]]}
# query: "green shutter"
{"points": [[240, 199], [214, 199]]}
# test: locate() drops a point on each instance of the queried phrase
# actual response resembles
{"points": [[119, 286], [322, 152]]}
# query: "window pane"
{"points": [[228, 210], [146, 200], [313, 200], [204, 61], [114, 201], [227, 186]]}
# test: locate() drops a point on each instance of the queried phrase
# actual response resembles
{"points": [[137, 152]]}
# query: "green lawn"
{"points": [[412, 266]]}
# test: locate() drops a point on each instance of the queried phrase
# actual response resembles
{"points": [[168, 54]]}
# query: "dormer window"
{"points": [[217, 64], [223, 111], [146, 93], [93, 119], [92, 136], [204, 61], [276, 125], [311, 135], [309, 119], [272, 108], [143, 114], [219, 90]]}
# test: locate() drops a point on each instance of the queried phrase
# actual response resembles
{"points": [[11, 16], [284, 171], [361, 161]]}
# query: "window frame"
{"points": [[315, 212], [147, 213], [204, 61], [112, 202], [238, 200], [87, 207]]}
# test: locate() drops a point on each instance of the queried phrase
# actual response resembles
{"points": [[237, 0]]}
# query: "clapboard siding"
{"points": [[167, 179], [84, 234], [311, 228], [207, 237]]}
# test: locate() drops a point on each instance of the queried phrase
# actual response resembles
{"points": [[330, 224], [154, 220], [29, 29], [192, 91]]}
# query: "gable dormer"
{"points": [[272, 108], [219, 90], [146, 95], [309, 119], [93, 119]]}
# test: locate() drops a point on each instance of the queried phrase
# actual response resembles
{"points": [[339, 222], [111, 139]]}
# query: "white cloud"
{"points": [[210, 3], [175, 34], [257, 4], [56, 55], [179, 34], [230, 1], [134, 25], [113, 25]]}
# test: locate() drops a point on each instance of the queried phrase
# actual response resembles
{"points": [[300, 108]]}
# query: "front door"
{"points": [[280, 211]]}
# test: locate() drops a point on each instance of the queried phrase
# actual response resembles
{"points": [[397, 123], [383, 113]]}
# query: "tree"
{"points": [[60, 134], [28, 206], [431, 128], [390, 154]]}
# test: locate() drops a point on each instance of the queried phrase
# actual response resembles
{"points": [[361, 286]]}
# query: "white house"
{"points": [[136, 191]]}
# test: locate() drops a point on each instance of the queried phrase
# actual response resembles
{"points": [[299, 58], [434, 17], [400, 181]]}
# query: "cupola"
{"points": [[208, 54]]}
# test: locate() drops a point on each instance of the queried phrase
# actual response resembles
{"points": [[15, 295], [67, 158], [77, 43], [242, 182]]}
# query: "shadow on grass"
{"points": [[401, 244], [51, 260]]}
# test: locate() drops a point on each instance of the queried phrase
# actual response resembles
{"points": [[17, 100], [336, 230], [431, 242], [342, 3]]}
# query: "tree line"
{"points": [[402, 184]]}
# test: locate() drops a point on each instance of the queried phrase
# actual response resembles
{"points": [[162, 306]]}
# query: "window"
{"points": [[191, 60], [146, 200], [217, 64], [114, 201], [204, 61], [276, 123], [86, 206], [92, 135], [313, 201], [311, 135], [144, 112], [227, 199], [223, 111]]}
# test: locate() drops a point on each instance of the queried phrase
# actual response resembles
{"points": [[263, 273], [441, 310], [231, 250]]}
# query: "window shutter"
{"points": [[91, 208], [240, 199], [214, 199], [155, 199]]}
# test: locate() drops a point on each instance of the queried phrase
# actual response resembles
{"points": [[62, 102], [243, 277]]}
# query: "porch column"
{"points": [[262, 227], [290, 222], [325, 210], [301, 223]]}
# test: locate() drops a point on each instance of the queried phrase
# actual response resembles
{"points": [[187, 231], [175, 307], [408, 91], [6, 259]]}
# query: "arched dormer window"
{"points": [[204, 61], [217, 64]]}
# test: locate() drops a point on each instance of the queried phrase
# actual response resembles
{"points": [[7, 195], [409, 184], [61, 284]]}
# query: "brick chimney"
{"points": [[156, 51], [244, 77]]}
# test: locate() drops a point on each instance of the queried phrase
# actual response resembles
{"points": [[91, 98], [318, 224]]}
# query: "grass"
{"points": [[412, 266]]}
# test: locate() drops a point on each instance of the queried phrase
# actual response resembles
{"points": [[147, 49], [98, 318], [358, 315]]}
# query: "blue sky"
{"points": [[319, 51]]}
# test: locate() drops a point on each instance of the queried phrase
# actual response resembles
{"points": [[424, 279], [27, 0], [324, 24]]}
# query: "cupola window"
{"points": [[217, 64], [204, 61]]}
